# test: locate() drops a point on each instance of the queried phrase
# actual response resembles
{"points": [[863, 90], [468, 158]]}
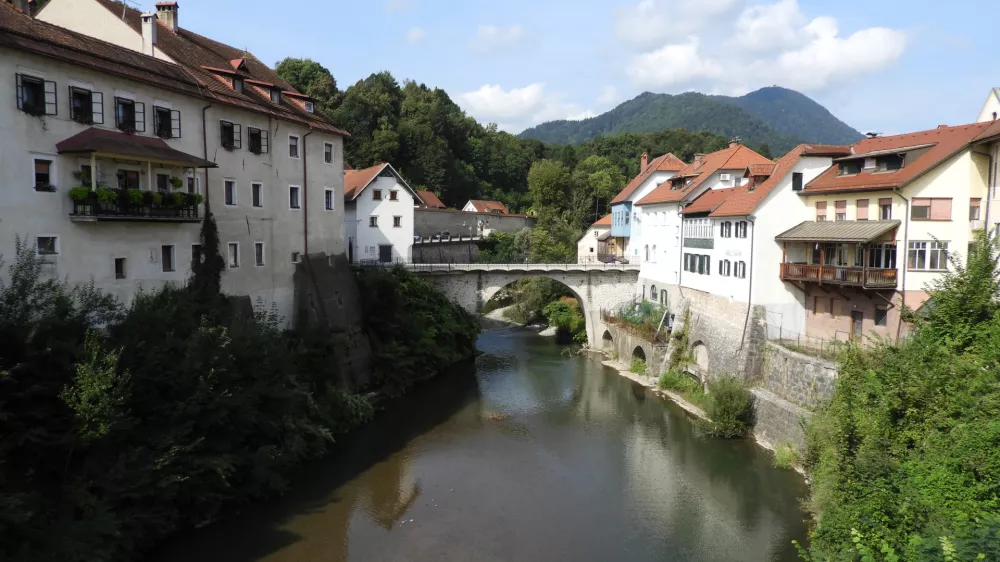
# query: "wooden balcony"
{"points": [[867, 278]]}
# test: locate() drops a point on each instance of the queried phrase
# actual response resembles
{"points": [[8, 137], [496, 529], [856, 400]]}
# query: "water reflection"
{"points": [[536, 455]]}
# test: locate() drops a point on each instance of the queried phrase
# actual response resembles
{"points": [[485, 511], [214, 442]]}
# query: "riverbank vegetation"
{"points": [[565, 315], [905, 460], [121, 424], [641, 318]]}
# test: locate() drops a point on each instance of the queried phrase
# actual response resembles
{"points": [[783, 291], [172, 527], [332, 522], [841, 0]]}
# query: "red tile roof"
{"points": [[759, 170], [355, 181], [114, 142], [488, 206], [194, 52], [666, 163], [605, 221], [939, 145], [430, 200], [736, 157], [745, 199], [709, 201]]}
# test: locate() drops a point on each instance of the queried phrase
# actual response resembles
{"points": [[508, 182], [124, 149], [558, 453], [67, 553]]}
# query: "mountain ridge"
{"points": [[774, 116]]}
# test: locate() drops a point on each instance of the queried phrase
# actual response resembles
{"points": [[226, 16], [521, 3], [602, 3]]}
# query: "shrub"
{"points": [[106, 195], [179, 198], [565, 315], [638, 366], [135, 196], [176, 182], [79, 193], [680, 382], [730, 407], [786, 456]]}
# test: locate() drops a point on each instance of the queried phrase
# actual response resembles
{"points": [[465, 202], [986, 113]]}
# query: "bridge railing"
{"points": [[459, 267]]}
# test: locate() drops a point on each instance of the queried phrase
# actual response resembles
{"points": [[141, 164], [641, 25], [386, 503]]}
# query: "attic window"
{"points": [[275, 95], [238, 84], [889, 163], [850, 168], [309, 106]]}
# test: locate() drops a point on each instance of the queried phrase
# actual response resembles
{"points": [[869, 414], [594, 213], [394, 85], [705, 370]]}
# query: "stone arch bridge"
{"points": [[597, 286]]}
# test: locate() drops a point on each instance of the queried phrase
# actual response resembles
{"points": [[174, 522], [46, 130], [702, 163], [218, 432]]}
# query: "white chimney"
{"points": [[148, 34], [167, 12]]}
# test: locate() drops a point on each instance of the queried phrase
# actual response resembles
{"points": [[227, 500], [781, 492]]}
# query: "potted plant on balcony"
{"points": [[179, 199], [135, 197], [79, 194], [197, 198], [176, 182], [105, 195]]}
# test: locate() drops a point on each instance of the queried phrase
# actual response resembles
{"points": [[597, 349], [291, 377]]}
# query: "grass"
{"points": [[686, 386], [638, 367], [786, 456]]}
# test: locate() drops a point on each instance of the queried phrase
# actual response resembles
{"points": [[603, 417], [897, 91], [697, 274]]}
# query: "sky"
{"points": [[879, 65]]}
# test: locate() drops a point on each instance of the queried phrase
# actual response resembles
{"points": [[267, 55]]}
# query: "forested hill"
{"points": [[777, 117]]}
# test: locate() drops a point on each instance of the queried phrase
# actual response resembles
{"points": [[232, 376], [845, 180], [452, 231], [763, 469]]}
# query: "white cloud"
{"points": [[398, 5], [769, 43], [609, 95], [518, 108], [489, 38], [415, 35]]}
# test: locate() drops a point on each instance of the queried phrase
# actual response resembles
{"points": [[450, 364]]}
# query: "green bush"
{"points": [[638, 366], [79, 193], [786, 456], [730, 407], [135, 196], [106, 195], [686, 386], [566, 316]]}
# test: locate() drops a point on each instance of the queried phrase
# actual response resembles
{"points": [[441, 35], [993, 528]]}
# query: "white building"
{"points": [[624, 226], [378, 214], [592, 247], [658, 212], [144, 135], [991, 109], [480, 206]]}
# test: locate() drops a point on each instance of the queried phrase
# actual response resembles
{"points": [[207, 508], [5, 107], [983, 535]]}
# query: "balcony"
{"points": [[700, 243], [134, 205], [864, 277]]}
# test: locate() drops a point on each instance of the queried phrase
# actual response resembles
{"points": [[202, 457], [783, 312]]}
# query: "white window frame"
{"points": [[263, 253], [58, 247], [927, 246], [372, 224], [394, 221], [260, 194], [290, 188], [298, 145], [329, 191], [333, 153], [230, 255], [236, 192], [53, 160], [173, 258]]}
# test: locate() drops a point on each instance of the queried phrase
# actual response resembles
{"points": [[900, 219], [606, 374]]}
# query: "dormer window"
{"points": [[238, 84], [850, 167], [889, 163], [309, 106], [275, 95]]}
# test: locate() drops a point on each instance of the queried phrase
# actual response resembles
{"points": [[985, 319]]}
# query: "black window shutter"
{"points": [[19, 88], [97, 111], [264, 144], [237, 136], [175, 124], [51, 100], [140, 117]]}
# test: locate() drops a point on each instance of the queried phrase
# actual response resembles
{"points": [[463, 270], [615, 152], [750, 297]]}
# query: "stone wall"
{"points": [[779, 421], [428, 222], [806, 381], [445, 251], [625, 343]]}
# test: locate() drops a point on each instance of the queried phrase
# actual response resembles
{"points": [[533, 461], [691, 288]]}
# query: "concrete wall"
{"points": [[428, 222], [625, 344], [366, 239], [446, 251], [98, 22], [588, 247], [779, 421]]}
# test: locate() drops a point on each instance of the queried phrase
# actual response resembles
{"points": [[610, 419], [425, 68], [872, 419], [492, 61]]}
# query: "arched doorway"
{"points": [[700, 352], [652, 293]]}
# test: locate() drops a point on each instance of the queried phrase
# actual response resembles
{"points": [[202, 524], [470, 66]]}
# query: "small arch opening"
{"points": [[607, 342], [639, 354], [700, 352]]}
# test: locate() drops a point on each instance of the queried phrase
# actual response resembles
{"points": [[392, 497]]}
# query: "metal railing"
{"points": [[837, 275], [124, 209], [463, 267]]}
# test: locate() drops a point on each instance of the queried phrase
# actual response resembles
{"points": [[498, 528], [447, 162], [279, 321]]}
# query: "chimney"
{"points": [[698, 158], [167, 12], [148, 34], [643, 161], [734, 143]]}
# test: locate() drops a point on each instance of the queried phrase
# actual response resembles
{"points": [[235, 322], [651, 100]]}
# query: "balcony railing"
{"points": [[125, 207], [869, 278]]}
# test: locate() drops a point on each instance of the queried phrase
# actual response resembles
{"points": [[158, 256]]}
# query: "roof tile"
{"points": [[665, 163], [736, 157], [482, 206], [430, 199], [355, 181]]}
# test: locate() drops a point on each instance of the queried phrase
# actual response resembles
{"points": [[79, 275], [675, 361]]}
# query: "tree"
{"points": [[206, 278], [548, 183], [596, 181], [312, 79]]}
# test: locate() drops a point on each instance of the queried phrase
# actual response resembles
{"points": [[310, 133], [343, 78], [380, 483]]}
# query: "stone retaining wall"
{"points": [[806, 381], [779, 421], [625, 344]]}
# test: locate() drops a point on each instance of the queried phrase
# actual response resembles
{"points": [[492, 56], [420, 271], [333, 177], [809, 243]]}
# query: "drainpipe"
{"points": [[746, 321], [906, 242], [305, 194], [680, 261], [204, 145]]}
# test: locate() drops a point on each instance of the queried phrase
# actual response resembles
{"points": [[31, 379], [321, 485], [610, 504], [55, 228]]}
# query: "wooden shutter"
{"points": [[841, 205], [51, 100], [941, 209], [140, 117], [97, 107], [821, 208], [19, 90], [175, 124], [862, 209], [264, 144], [237, 136]]}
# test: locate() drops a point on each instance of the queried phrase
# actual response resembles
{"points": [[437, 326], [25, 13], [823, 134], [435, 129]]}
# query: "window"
{"points": [[229, 186], [296, 257], [128, 179], [840, 210], [819, 305], [882, 256], [234, 255], [119, 268], [889, 163], [796, 181], [373, 221], [166, 123], [328, 199], [238, 84], [328, 152], [293, 197], [47, 245], [85, 106], [726, 229], [167, 258], [193, 184], [258, 254], [230, 135], [652, 292], [881, 315], [393, 195], [130, 115], [275, 95], [927, 208], [704, 265], [861, 209], [256, 194], [725, 268], [885, 209], [974, 209], [820, 211], [927, 256], [293, 146], [377, 194], [86, 175], [849, 168], [36, 96], [43, 170], [309, 106], [741, 269], [163, 183], [258, 140], [741, 229], [195, 254], [698, 228]]}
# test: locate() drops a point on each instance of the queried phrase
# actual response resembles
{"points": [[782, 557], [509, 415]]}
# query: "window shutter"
{"points": [[97, 107], [841, 205], [237, 136], [19, 90], [264, 144], [140, 117], [861, 209], [51, 101], [175, 124], [941, 209]]}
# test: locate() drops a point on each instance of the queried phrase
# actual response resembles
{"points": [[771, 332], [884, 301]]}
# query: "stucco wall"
{"points": [[990, 108], [366, 239], [428, 222], [87, 16]]}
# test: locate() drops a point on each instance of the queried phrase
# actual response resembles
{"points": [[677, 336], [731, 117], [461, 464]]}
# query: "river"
{"points": [[536, 454]]}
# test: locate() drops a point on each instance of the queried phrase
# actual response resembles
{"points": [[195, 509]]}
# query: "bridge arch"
{"points": [[639, 353], [607, 341]]}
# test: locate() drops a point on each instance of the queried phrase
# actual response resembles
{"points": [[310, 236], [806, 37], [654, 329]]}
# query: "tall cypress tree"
{"points": [[206, 281]]}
